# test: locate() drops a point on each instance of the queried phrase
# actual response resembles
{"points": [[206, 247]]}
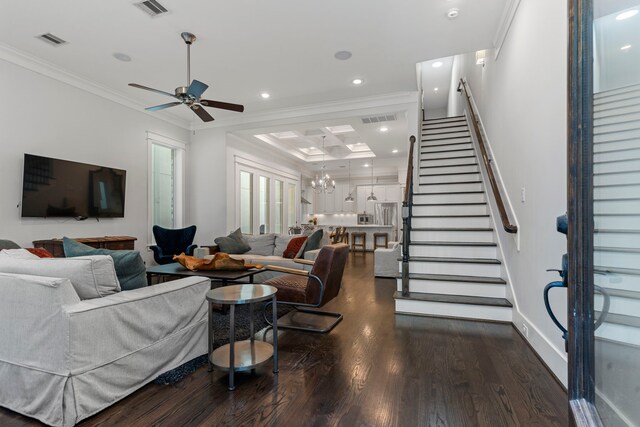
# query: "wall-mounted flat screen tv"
{"points": [[61, 188]]}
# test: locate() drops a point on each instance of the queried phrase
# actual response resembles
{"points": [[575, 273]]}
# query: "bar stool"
{"points": [[345, 238], [361, 244], [384, 236]]}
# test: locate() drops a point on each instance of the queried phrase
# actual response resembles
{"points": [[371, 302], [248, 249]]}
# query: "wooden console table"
{"points": [[107, 242]]}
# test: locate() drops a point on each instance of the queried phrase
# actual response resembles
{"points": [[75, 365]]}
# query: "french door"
{"points": [[604, 212]]}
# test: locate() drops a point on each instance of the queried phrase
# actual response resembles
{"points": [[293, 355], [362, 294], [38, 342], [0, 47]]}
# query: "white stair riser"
{"points": [[618, 155], [617, 178], [447, 188], [489, 290], [442, 138], [616, 240], [445, 179], [455, 268], [617, 119], [616, 94], [604, 222], [630, 166], [448, 169], [463, 311], [425, 162], [620, 333], [487, 252], [450, 210], [623, 282], [616, 192], [451, 222], [611, 137], [463, 143], [444, 124], [447, 154], [614, 259], [616, 127], [622, 144], [616, 206], [617, 305], [449, 198], [451, 236], [450, 129], [617, 108], [442, 120]]}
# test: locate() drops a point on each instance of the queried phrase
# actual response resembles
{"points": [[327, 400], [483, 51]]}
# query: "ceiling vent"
{"points": [[51, 39], [152, 8], [379, 119]]}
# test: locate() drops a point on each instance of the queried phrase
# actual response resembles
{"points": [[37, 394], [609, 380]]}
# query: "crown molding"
{"points": [[52, 71], [508, 14], [305, 111]]}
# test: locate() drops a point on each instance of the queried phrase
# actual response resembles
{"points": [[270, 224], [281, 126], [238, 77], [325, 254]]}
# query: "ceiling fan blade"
{"points": [[202, 113], [163, 106], [223, 105], [152, 90], [196, 88]]}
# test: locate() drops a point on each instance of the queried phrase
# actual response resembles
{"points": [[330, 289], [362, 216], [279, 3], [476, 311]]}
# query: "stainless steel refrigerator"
{"points": [[386, 213]]}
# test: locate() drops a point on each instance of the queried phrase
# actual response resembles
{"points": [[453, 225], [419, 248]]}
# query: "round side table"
{"points": [[248, 354]]}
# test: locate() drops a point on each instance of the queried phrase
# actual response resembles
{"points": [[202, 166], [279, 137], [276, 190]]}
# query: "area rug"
{"points": [[221, 337]]}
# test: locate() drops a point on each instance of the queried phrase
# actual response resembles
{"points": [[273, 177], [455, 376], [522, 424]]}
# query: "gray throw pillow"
{"points": [[262, 244], [313, 242], [234, 243], [129, 265]]}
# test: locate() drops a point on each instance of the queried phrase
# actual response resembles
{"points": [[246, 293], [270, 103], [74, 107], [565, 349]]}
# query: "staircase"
{"points": [[453, 265]]}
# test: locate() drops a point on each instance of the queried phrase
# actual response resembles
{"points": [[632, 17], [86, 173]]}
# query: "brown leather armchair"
{"points": [[312, 289]]}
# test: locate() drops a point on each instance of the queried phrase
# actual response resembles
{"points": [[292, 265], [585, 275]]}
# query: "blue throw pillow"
{"points": [[234, 243], [313, 242], [130, 268]]}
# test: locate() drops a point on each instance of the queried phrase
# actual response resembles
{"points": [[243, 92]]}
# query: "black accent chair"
{"points": [[308, 290], [170, 242]]}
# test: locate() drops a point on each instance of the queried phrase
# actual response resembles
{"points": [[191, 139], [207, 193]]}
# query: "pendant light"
{"points": [[349, 198], [325, 184], [372, 197]]}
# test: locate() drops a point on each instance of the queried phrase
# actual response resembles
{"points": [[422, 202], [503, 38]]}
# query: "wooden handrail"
{"points": [[407, 188], [508, 227]]}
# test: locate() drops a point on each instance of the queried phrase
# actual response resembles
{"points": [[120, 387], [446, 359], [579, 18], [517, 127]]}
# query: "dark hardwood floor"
{"points": [[374, 369]]}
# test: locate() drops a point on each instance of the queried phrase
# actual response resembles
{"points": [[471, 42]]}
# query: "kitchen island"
{"points": [[369, 229]]}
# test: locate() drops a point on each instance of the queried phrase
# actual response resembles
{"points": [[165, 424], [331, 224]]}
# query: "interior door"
{"points": [[604, 212]]}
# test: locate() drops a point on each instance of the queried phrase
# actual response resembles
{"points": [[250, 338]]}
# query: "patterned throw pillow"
{"points": [[234, 243], [294, 246], [129, 265], [40, 252]]}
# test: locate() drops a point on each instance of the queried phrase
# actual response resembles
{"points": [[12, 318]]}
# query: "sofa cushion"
{"points": [[294, 247], [91, 276], [129, 266], [234, 243], [313, 242], [261, 244], [282, 241], [17, 254]]}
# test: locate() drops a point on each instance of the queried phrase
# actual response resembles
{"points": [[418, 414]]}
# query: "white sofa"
{"points": [[63, 359], [385, 260]]}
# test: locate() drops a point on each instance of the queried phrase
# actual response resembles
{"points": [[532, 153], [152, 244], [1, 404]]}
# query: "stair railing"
{"points": [[407, 208], [463, 86]]}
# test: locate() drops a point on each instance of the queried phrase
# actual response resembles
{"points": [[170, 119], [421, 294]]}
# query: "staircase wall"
{"points": [[521, 97]]}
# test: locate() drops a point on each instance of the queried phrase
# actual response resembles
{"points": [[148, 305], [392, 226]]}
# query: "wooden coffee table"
{"points": [[216, 276]]}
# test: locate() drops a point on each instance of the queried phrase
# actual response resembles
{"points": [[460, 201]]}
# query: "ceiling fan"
{"points": [[190, 95]]}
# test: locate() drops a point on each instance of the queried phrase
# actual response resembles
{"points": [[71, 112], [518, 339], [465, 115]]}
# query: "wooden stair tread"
{"points": [[452, 229], [454, 299], [449, 166], [447, 158], [447, 174], [448, 204], [450, 183], [444, 243], [453, 260], [449, 192], [456, 278], [444, 145], [450, 216]]}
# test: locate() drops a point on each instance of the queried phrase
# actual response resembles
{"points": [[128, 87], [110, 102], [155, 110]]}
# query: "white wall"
{"points": [[43, 116], [521, 97]]}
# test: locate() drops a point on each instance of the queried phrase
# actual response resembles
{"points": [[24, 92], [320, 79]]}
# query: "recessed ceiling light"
{"points": [[453, 13], [394, 151], [357, 81], [384, 129], [626, 47], [366, 165], [626, 15], [265, 95], [435, 89], [122, 57], [312, 148], [437, 64], [342, 55]]}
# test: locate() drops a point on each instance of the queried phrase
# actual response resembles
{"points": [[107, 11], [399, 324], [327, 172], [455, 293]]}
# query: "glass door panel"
{"points": [[616, 207]]}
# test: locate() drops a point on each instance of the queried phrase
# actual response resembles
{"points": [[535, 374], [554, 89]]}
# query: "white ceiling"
{"points": [[245, 47], [439, 78]]}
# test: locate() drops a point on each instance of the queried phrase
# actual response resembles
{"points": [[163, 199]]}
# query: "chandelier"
{"points": [[324, 184]]}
